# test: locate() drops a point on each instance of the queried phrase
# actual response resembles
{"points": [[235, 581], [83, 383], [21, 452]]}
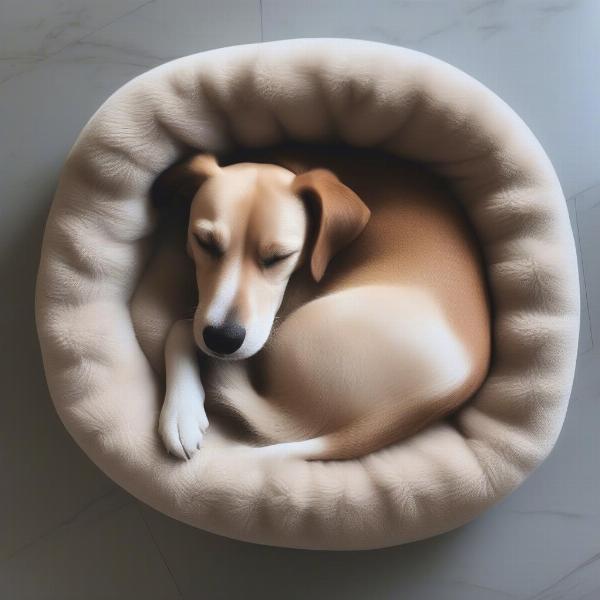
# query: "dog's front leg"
{"points": [[183, 419]]}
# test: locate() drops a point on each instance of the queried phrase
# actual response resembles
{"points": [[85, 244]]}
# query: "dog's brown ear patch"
{"points": [[339, 215], [176, 186]]}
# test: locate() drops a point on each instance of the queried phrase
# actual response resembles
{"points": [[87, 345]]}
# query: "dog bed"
{"points": [[98, 240]]}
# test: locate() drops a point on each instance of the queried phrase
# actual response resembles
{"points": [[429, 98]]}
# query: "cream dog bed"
{"points": [[98, 239]]}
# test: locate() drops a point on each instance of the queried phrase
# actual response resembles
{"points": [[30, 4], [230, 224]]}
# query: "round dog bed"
{"points": [[98, 239]]}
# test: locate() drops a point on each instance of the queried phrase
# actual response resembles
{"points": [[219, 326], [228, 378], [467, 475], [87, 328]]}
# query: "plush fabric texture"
{"points": [[98, 241]]}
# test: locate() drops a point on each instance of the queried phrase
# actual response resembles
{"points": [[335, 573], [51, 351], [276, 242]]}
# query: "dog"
{"points": [[373, 276]]}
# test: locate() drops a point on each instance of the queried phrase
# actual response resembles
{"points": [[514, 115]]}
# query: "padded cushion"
{"points": [[98, 238]]}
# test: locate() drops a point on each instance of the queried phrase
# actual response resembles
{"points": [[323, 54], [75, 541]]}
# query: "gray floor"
{"points": [[65, 530]]}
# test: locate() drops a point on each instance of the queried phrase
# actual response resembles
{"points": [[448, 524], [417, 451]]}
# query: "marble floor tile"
{"points": [[107, 553], [166, 29], [31, 32]]}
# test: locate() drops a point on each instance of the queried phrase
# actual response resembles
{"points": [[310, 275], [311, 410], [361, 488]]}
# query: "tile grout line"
{"points": [[590, 561], [584, 191], [158, 549], [260, 12], [63, 524]]}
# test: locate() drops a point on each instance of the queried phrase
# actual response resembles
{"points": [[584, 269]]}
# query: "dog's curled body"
{"points": [[350, 382], [395, 336]]}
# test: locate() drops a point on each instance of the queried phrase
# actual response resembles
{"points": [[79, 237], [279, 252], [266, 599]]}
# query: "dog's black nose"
{"points": [[224, 339]]}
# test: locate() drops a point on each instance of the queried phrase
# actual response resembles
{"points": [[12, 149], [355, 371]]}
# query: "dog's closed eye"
{"points": [[209, 246], [273, 259]]}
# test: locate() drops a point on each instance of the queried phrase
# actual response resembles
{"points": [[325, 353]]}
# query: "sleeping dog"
{"points": [[382, 311]]}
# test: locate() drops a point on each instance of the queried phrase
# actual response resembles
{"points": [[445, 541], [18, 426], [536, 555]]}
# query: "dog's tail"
{"points": [[355, 440], [369, 434]]}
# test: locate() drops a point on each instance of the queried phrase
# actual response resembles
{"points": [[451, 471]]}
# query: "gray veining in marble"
{"points": [[66, 531]]}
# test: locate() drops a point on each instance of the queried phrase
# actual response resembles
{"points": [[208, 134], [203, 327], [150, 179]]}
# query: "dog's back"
{"points": [[418, 236]]}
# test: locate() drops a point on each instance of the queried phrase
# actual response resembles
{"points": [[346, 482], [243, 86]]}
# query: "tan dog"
{"points": [[391, 335]]}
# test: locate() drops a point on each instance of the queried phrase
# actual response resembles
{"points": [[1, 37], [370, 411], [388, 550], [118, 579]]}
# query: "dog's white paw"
{"points": [[182, 425]]}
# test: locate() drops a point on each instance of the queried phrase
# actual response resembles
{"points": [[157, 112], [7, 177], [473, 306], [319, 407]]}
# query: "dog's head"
{"points": [[251, 225]]}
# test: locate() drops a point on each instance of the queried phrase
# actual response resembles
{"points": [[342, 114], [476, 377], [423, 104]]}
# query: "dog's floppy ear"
{"points": [[176, 186], [338, 213]]}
